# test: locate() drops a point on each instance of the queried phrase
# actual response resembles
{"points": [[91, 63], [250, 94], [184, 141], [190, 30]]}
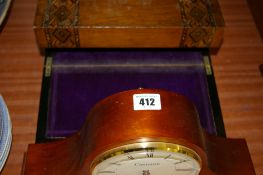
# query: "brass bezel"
{"points": [[149, 145]]}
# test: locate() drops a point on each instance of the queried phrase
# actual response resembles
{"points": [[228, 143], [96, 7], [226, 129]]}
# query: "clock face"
{"points": [[149, 158]]}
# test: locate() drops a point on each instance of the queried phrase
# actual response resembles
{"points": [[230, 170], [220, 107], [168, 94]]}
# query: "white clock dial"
{"points": [[156, 158]]}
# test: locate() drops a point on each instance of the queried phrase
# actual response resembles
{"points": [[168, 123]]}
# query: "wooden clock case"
{"points": [[113, 122]]}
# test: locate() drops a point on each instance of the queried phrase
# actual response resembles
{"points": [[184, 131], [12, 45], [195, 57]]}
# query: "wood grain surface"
{"points": [[135, 23], [236, 66]]}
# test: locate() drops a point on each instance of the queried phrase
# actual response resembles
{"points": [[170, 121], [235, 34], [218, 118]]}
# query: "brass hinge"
{"points": [[207, 65], [48, 66]]}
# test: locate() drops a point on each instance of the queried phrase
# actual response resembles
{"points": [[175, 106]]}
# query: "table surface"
{"points": [[236, 66]]}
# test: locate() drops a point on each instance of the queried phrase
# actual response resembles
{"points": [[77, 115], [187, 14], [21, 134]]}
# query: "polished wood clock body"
{"points": [[113, 122]]}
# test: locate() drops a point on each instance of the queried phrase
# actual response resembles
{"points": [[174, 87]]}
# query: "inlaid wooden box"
{"points": [[136, 46], [128, 24], [125, 44]]}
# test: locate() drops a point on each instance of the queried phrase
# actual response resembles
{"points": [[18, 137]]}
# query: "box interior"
{"points": [[80, 79]]}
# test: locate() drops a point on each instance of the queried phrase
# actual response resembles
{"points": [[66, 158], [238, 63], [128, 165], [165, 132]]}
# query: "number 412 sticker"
{"points": [[147, 102]]}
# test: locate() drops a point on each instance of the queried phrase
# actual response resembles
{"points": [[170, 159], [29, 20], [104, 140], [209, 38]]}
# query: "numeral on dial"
{"points": [[149, 153]]}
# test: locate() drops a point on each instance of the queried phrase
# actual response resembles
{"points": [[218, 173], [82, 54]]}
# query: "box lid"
{"points": [[128, 23]]}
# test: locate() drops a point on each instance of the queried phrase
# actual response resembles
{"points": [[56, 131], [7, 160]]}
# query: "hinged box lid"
{"points": [[128, 23]]}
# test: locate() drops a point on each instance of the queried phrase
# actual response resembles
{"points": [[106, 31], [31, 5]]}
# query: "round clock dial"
{"points": [[148, 158]]}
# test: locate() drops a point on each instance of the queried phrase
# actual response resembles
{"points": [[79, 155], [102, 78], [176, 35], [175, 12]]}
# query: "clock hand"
{"points": [[167, 156], [115, 163], [106, 172], [181, 161]]}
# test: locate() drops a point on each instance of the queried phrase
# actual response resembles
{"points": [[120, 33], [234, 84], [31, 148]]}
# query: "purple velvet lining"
{"points": [[81, 79]]}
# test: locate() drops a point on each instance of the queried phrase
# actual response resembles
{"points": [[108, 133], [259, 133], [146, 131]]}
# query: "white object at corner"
{"points": [[5, 133]]}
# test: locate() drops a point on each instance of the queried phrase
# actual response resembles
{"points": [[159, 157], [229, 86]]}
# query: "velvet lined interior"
{"points": [[80, 79]]}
